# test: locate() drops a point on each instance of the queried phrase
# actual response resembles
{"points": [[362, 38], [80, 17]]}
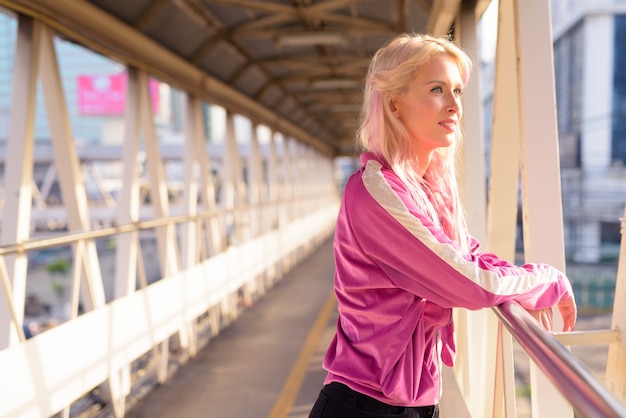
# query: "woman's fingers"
{"points": [[568, 312], [546, 316], [543, 316], [567, 309]]}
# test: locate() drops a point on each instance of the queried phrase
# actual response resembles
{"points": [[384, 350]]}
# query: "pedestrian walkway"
{"points": [[266, 363]]}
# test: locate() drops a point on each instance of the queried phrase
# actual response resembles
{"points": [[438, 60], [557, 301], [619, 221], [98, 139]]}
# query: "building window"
{"points": [[568, 67], [618, 145]]}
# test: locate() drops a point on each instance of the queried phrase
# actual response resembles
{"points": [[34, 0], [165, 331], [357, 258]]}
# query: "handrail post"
{"points": [[540, 171], [504, 178], [616, 360], [574, 382]]}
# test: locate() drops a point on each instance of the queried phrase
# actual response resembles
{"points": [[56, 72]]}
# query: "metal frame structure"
{"points": [[296, 65], [525, 151], [49, 372]]}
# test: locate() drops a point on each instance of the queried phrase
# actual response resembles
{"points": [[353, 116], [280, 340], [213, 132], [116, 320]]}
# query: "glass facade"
{"points": [[8, 32], [618, 144], [568, 67]]}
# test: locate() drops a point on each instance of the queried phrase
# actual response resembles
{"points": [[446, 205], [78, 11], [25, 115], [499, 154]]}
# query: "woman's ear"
{"points": [[393, 107]]}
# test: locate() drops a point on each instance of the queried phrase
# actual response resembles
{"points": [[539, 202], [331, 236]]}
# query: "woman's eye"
{"points": [[437, 90], [458, 92]]}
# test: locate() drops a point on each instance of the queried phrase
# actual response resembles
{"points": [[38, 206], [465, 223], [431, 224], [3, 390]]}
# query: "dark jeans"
{"points": [[339, 401]]}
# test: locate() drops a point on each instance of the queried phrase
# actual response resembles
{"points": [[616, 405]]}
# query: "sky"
{"points": [[489, 29]]}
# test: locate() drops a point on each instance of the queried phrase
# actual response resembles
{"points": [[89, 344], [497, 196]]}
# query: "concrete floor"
{"points": [[241, 372]]}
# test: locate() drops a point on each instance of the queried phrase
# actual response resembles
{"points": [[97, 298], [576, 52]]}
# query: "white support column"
{"points": [[274, 192], [473, 147], [231, 169], [189, 230], [166, 238], [504, 393], [302, 156], [319, 165], [308, 180], [255, 181], [73, 193], [128, 250], [541, 188], [615, 379], [214, 227], [194, 135], [68, 168], [267, 208], [128, 201], [305, 185], [18, 176], [301, 185], [477, 330], [228, 181], [234, 199], [314, 170], [290, 155], [505, 141], [503, 187]]}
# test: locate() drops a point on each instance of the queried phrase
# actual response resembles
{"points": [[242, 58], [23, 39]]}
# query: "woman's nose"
{"points": [[454, 104]]}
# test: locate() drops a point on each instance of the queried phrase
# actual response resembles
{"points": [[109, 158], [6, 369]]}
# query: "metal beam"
{"points": [[19, 177], [541, 187], [101, 32], [442, 16]]}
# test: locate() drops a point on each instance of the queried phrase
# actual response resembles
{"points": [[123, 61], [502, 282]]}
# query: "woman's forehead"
{"points": [[443, 66]]}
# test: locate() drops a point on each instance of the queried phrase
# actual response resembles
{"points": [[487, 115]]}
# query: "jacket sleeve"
{"points": [[417, 256]]}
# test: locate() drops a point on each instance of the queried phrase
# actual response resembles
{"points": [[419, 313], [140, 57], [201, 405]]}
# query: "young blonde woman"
{"points": [[403, 255]]}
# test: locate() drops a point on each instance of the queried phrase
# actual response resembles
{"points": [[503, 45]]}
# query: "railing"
{"points": [[313, 204], [45, 374], [577, 385], [486, 370], [235, 236]]}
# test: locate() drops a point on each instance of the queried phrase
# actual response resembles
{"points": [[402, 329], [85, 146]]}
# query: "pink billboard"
{"points": [[105, 95]]}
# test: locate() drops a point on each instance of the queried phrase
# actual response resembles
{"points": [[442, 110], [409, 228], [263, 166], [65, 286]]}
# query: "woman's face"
{"points": [[431, 108]]}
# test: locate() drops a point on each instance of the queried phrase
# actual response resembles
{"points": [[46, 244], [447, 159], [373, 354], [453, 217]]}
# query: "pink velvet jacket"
{"points": [[397, 279]]}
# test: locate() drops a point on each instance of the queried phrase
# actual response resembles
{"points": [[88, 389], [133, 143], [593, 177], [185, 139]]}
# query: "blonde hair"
{"points": [[391, 70]]}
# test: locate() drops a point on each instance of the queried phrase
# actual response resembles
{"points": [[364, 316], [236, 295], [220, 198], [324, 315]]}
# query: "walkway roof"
{"points": [[294, 65]]}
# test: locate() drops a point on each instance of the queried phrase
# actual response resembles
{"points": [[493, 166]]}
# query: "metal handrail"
{"points": [[588, 397], [68, 238]]}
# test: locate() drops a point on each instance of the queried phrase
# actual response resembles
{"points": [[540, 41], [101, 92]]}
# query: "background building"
{"points": [[590, 77], [589, 56]]}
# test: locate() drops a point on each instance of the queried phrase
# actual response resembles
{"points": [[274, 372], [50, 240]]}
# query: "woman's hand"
{"points": [[568, 311], [543, 316]]}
